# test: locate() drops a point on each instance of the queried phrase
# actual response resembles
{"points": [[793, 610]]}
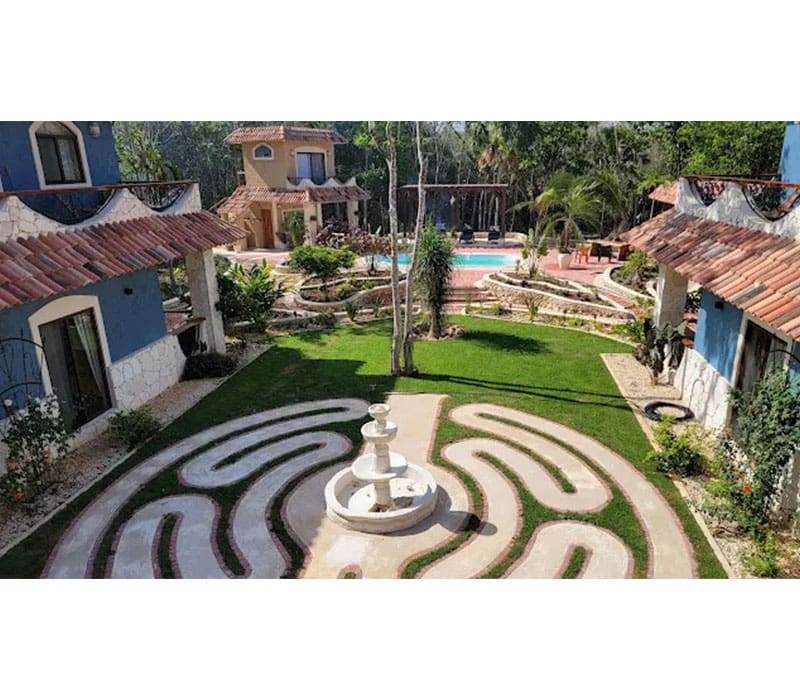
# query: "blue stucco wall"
{"points": [[132, 321], [18, 171], [718, 333], [790, 154]]}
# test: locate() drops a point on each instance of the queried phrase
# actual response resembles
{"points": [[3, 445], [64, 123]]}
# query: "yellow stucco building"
{"points": [[288, 169]]}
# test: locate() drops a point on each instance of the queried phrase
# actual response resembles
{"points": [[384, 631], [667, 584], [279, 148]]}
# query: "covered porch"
{"points": [[266, 213]]}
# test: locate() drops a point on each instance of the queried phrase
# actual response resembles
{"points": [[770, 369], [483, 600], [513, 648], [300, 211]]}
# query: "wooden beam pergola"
{"points": [[467, 188]]}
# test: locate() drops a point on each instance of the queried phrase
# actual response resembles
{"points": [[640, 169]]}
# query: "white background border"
{"points": [[507, 60]]}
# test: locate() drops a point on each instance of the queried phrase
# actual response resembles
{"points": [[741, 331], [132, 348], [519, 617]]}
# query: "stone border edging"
{"points": [[512, 293], [621, 289], [648, 432], [309, 305]]}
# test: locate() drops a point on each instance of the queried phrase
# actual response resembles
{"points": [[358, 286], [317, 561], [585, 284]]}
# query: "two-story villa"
{"points": [[288, 169], [81, 313], [740, 241]]}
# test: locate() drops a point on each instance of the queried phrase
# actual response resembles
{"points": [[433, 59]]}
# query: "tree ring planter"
{"points": [[653, 411], [362, 298]]}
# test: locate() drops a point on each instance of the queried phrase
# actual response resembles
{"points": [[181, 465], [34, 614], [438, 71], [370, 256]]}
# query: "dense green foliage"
{"points": [[36, 438], [434, 272], [247, 294], [134, 426], [321, 261], [677, 453], [626, 159], [207, 365]]}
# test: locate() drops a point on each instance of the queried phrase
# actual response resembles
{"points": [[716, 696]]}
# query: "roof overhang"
{"points": [[755, 271], [41, 266]]}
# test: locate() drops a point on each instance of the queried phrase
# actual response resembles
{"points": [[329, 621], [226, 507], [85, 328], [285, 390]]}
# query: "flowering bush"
{"points": [[37, 438]]}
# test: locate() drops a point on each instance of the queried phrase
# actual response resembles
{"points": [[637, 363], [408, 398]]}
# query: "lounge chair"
{"points": [[602, 251], [493, 236], [467, 236]]}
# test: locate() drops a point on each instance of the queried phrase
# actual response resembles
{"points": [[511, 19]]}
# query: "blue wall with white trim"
{"points": [[790, 154], [132, 321], [717, 333]]}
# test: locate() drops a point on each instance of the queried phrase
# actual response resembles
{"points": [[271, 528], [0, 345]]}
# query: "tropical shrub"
{"points": [[568, 205], [660, 345], [321, 261], [638, 268], [351, 309], [533, 308], [134, 426], [296, 226], [207, 364], [678, 454], [433, 276], [252, 295], [37, 440]]}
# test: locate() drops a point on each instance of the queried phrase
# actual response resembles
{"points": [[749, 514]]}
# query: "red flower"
{"points": [[13, 466], [46, 453], [747, 488], [18, 496]]}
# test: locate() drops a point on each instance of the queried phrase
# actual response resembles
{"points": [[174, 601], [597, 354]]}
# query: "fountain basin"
{"points": [[351, 501]]}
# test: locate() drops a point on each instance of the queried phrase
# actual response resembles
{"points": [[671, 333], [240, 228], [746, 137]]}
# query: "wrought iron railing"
{"points": [[769, 199], [73, 205]]}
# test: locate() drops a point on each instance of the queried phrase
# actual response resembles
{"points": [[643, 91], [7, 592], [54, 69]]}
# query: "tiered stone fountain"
{"points": [[380, 492]]}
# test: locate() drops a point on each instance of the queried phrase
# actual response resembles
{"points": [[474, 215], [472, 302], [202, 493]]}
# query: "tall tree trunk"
{"points": [[397, 321], [408, 339]]}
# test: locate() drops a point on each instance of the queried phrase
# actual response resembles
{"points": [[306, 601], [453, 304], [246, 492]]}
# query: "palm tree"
{"points": [[568, 205], [433, 276]]}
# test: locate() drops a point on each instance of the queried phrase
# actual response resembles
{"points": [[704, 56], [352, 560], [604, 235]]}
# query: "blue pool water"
{"points": [[466, 260]]}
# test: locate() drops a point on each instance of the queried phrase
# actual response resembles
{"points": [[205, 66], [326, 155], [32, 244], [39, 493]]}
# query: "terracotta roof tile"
{"points": [[753, 270], [668, 193], [38, 267], [253, 134], [243, 196]]}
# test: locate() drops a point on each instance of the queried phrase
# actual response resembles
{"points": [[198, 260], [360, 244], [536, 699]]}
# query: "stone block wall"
{"points": [[141, 376]]}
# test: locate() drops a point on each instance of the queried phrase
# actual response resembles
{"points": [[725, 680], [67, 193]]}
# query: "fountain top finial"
{"points": [[379, 411]]}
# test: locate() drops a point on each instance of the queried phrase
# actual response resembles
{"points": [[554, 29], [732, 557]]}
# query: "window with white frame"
{"points": [[59, 154], [262, 152]]}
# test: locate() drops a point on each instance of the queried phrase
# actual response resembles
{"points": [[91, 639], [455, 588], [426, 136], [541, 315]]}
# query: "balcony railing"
{"points": [[317, 180], [72, 205], [770, 199]]}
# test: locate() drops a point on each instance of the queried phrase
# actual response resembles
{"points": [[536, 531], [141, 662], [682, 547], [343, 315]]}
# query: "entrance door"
{"points": [[758, 358], [269, 232], [76, 367]]}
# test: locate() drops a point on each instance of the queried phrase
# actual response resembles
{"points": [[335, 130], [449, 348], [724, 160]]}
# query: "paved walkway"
{"points": [[267, 451]]}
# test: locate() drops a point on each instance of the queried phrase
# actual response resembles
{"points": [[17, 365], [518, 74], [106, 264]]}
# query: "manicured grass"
{"points": [[551, 372]]}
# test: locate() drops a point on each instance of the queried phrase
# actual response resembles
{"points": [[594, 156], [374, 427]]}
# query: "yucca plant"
{"points": [[434, 272]]}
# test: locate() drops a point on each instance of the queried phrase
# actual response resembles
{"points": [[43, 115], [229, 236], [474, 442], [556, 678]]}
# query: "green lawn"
{"points": [[551, 372]]}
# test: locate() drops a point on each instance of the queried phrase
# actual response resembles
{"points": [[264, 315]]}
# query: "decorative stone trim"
{"points": [[621, 289], [524, 295], [18, 220], [359, 297], [731, 207]]}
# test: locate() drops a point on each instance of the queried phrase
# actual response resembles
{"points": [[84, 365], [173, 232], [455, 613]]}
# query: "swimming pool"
{"points": [[495, 260]]}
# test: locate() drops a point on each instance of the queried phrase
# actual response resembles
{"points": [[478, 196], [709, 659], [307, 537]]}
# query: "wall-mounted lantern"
{"points": [[94, 129]]}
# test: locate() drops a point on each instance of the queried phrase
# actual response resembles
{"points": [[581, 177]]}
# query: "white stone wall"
{"points": [[18, 220], [142, 375], [731, 207], [703, 389]]}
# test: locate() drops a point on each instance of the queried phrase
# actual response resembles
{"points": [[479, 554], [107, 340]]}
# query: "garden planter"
{"points": [[564, 260]]}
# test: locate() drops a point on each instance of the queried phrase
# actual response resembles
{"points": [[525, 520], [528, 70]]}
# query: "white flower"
{"points": [[8, 402]]}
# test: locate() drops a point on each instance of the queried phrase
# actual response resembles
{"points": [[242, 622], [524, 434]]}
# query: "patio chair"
{"points": [[623, 252], [604, 251], [494, 235], [467, 236], [582, 252]]}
